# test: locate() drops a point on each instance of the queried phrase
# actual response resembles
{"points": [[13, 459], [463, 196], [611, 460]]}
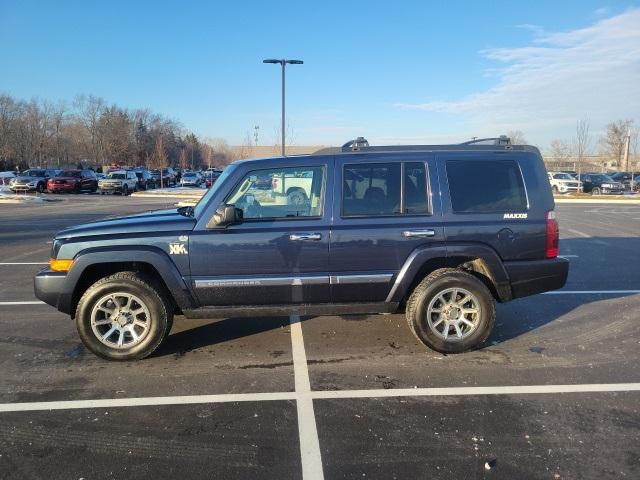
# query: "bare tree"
{"points": [[613, 142], [160, 158], [517, 137], [581, 143], [560, 151]]}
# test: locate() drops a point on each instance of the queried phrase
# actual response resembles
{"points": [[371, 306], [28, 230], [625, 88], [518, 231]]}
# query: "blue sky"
{"points": [[394, 72]]}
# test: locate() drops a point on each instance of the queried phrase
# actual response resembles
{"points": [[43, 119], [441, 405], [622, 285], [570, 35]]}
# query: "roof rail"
{"points": [[355, 145], [501, 140], [361, 145]]}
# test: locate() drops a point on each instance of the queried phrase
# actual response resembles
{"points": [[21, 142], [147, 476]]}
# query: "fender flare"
{"points": [[414, 262], [153, 256]]}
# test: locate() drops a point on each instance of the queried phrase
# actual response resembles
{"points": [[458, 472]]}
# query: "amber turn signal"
{"points": [[60, 265]]}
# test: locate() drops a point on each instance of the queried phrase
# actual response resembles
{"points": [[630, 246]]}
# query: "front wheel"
{"points": [[123, 317], [555, 190], [451, 311], [595, 191], [125, 191]]}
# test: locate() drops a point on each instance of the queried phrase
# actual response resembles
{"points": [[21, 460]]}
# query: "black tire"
{"points": [[144, 287], [125, 190], [40, 187], [428, 289], [595, 191], [555, 190]]}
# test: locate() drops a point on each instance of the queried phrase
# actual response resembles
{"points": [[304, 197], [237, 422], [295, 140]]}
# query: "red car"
{"points": [[73, 181]]}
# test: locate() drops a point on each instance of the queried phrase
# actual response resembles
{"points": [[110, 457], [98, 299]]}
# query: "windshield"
{"points": [[602, 178], [117, 176], [201, 205], [33, 173], [563, 176], [68, 173]]}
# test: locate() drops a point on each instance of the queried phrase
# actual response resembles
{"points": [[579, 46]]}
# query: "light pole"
{"points": [[283, 62]]}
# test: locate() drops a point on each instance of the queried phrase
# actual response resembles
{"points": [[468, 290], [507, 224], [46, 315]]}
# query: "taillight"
{"points": [[553, 235]]}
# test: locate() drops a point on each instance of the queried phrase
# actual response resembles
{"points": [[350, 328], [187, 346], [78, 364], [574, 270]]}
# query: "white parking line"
{"points": [[577, 232], [589, 292], [471, 391], [310, 457], [24, 263], [319, 395], [568, 256], [145, 401], [30, 302]]}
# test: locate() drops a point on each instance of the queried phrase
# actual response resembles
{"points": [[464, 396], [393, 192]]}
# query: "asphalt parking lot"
{"points": [[555, 393]]}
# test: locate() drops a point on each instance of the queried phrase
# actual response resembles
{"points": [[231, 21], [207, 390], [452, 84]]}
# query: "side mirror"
{"points": [[227, 214]]}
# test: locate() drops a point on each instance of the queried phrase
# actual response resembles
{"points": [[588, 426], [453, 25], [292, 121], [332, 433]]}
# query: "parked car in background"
{"points": [[630, 180], [191, 179], [168, 178], [6, 178], [210, 177], [145, 180], [74, 181], [562, 182], [600, 184], [34, 179], [119, 181]]}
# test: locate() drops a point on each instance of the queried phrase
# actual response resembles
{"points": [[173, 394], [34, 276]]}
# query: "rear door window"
{"points": [[486, 186], [371, 189]]}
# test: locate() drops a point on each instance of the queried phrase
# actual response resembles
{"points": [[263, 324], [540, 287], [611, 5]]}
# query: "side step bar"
{"points": [[286, 310]]}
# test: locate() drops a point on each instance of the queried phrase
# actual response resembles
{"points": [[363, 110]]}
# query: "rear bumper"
{"points": [[536, 276], [49, 287]]}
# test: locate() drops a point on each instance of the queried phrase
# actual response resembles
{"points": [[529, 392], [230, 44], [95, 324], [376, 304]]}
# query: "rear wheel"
{"points": [[451, 311], [123, 317], [125, 190]]}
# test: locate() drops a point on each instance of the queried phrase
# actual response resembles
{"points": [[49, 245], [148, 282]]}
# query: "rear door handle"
{"points": [[419, 233], [302, 237]]}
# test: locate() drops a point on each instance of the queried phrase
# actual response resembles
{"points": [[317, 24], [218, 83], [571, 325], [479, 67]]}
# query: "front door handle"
{"points": [[301, 237], [419, 233]]}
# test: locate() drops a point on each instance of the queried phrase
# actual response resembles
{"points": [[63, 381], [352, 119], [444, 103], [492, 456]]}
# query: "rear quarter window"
{"points": [[486, 186]]}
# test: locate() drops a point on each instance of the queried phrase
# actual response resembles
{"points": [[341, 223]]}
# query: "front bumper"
{"points": [[61, 187], [110, 188], [49, 286], [22, 188], [536, 276]]}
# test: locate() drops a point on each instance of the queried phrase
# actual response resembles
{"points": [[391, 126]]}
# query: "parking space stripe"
{"points": [[310, 456], [28, 302], [589, 292], [319, 395], [146, 401], [24, 263], [471, 391]]}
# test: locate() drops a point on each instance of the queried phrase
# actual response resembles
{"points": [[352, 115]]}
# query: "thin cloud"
{"points": [[543, 88]]}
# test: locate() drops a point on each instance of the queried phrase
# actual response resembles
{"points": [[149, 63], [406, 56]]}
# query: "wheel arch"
{"points": [[479, 260], [95, 263]]}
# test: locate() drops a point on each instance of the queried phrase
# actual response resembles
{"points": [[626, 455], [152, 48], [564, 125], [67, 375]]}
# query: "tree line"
{"points": [[610, 146], [91, 133]]}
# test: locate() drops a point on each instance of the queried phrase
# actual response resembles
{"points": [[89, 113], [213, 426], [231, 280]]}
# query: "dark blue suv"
{"points": [[441, 232]]}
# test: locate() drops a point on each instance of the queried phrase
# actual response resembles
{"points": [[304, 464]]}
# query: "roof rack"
{"points": [[501, 140], [360, 144]]}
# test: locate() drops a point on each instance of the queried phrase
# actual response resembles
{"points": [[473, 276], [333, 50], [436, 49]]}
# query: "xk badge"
{"points": [[177, 249]]}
